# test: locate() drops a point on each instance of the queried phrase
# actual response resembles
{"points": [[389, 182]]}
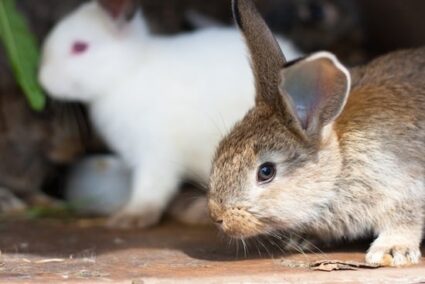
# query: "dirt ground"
{"points": [[84, 251]]}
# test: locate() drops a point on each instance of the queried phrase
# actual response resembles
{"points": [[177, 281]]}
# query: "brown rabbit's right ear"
{"points": [[308, 93], [267, 58], [120, 9], [316, 88]]}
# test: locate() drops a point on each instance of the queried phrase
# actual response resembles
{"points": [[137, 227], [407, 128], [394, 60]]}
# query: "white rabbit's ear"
{"points": [[120, 9], [317, 87]]}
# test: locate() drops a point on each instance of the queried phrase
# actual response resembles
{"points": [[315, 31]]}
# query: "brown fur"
{"points": [[364, 174]]}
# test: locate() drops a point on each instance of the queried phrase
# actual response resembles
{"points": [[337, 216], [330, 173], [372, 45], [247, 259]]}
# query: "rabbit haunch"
{"points": [[162, 103]]}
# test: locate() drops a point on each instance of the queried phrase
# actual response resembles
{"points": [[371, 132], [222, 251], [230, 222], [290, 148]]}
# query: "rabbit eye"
{"points": [[266, 172], [79, 47]]}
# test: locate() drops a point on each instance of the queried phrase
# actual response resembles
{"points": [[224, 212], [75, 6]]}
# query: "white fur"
{"points": [[162, 103]]}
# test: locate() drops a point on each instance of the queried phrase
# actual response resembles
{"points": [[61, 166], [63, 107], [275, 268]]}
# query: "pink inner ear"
{"points": [[79, 47]]}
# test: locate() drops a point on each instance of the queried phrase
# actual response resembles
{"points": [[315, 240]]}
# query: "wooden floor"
{"points": [[84, 251]]}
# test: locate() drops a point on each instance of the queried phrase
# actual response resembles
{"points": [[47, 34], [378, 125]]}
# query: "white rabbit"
{"points": [[162, 103]]}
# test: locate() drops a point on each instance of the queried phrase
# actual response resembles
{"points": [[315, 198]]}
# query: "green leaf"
{"points": [[22, 52]]}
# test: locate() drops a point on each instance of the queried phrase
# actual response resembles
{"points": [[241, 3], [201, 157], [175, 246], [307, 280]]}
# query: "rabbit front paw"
{"points": [[127, 219], [395, 255]]}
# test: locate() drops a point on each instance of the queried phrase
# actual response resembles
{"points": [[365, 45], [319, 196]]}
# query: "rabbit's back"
{"points": [[185, 96], [400, 67], [384, 119]]}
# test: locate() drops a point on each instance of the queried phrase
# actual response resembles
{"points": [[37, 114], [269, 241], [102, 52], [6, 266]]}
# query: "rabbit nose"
{"points": [[218, 220]]}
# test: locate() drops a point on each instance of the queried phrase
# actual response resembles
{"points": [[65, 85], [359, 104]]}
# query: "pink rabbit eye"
{"points": [[79, 47]]}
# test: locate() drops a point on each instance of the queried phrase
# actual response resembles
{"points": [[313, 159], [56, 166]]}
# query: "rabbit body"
{"points": [[162, 103], [326, 153], [380, 156]]}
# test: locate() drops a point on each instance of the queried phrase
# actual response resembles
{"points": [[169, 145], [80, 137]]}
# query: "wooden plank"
{"points": [[47, 251]]}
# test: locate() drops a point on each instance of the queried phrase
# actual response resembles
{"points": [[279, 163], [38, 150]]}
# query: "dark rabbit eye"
{"points": [[79, 47], [266, 172]]}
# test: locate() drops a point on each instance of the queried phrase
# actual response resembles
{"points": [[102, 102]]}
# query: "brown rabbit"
{"points": [[325, 153]]}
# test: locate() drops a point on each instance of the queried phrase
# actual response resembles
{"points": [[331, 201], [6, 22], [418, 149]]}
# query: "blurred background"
{"points": [[37, 148]]}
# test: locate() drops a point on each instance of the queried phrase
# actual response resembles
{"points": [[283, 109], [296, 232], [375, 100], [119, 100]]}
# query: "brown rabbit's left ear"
{"points": [[317, 88], [120, 9]]}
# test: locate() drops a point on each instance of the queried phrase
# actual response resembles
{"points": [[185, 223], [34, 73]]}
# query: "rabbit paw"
{"points": [[397, 255], [10, 203], [126, 219]]}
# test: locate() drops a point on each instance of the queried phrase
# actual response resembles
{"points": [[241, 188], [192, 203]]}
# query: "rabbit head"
{"points": [[276, 168], [88, 51]]}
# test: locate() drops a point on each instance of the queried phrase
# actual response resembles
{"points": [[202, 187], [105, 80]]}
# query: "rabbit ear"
{"points": [[267, 58], [317, 88], [308, 93], [120, 9]]}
